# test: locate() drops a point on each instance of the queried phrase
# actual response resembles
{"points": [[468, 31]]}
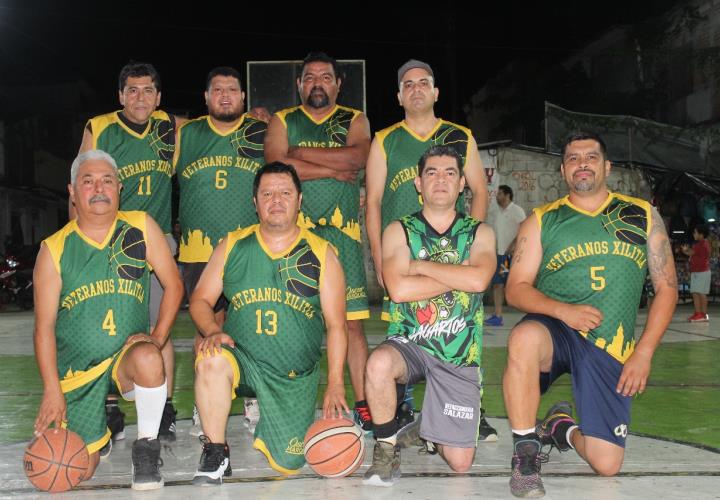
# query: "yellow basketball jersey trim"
{"points": [[259, 445], [284, 112], [233, 365], [98, 445], [542, 210], [225, 134], [382, 135], [176, 156], [232, 238], [56, 243], [73, 380], [418, 136], [321, 120], [355, 315]]}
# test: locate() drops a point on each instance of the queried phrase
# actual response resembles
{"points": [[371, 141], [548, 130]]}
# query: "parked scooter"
{"points": [[15, 282]]}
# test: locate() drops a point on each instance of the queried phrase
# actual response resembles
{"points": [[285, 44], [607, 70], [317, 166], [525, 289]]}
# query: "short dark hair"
{"points": [[136, 69], [320, 57], [276, 167], [703, 229], [442, 150], [507, 190], [584, 135], [222, 71]]}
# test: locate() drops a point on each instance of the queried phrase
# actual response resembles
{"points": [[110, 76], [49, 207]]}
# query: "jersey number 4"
{"points": [[109, 323]]}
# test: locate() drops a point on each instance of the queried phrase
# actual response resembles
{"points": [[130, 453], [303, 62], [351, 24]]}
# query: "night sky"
{"points": [[61, 42]]}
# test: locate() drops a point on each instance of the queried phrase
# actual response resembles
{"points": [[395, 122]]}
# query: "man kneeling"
{"points": [[285, 287], [436, 263]]}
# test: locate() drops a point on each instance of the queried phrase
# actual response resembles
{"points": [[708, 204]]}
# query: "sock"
{"points": [[386, 432], [522, 432], [149, 403], [111, 402], [359, 404], [567, 435]]}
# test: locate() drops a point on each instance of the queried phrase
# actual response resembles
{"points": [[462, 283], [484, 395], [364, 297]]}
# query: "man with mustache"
{"points": [[436, 264], [578, 271], [216, 161], [328, 145], [141, 139], [91, 312]]}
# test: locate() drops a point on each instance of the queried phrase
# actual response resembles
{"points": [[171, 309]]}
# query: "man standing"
{"points": [[91, 310], [436, 264], [141, 139], [506, 223], [579, 269], [285, 288], [392, 169], [328, 145], [700, 275]]}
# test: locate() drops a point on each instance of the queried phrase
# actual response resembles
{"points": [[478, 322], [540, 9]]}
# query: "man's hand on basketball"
{"points": [[581, 317], [212, 344], [52, 410], [334, 402], [636, 370]]}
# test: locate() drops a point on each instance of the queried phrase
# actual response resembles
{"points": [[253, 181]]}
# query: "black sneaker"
{"points": [[486, 432], [213, 463], [525, 481], [228, 470], [404, 415], [115, 421], [558, 414], [385, 468], [167, 424], [105, 450], [362, 417], [146, 464]]}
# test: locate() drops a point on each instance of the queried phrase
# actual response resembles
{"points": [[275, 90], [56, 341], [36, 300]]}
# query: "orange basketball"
{"points": [[334, 447], [56, 461]]}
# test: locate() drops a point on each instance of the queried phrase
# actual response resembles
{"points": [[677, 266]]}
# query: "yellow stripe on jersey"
{"points": [[56, 243], [73, 380], [284, 112], [232, 238], [384, 133], [259, 445], [232, 130]]}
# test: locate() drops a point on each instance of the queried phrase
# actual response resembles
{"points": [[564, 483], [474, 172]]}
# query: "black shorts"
{"points": [[191, 275]]}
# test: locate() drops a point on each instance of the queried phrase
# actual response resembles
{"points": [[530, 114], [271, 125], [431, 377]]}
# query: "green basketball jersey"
{"points": [[144, 162], [325, 201], [448, 326], [402, 149], [216, 171], [104, 295], [599, 259], [274, 300]]}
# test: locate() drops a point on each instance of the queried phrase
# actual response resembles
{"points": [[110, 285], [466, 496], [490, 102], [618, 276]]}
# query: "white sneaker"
{"points": [[196, 429], [252, 412]]}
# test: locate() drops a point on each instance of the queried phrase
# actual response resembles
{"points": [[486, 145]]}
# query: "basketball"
{"points": [[334, 447], [56, 461]]}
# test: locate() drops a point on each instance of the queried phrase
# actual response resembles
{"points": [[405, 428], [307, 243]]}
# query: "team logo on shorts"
{"points": [[295, 447], [248, 141], [300, 271], [127, 252], [625, 221], [338, 126], [621, 431], [162, 139]]}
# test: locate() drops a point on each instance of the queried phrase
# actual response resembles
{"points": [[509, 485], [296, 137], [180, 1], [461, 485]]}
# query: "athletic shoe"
{"points": [[196, 429], [410, 435], [525, 481], [362, 417], [228, 470], [115, 421], [167, 424], [699, 318], [385, 468], [494, 321], [213, 463], [405, 414], [557, 414], [146, 464], [486, 432], [694, 316], [105, 450], [252, 413]]}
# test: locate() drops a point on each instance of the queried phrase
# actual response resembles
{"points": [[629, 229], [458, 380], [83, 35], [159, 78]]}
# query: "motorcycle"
{"points": [[16, 283]]}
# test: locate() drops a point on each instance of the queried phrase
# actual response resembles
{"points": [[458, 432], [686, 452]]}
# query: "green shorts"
{"points": [[287, 407], [350, 254], [85, 395]]}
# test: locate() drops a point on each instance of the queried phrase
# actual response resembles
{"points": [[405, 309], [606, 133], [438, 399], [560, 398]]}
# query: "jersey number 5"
{"points": [[598, 281], [270, 322]]}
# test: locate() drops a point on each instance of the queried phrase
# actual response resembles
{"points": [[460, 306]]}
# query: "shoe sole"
{"points": [[148, 486], [491, 438], [206, 481], [119, 436], [375, 480], [537, 493]]}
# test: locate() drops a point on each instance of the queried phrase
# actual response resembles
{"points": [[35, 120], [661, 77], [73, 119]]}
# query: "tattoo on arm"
{"points": [[519, 249], [660, 257]]}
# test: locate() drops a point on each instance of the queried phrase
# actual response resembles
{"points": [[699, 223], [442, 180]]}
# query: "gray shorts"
{"points": [[451, 409], [191, 275], [700, 282], [156, 289]]}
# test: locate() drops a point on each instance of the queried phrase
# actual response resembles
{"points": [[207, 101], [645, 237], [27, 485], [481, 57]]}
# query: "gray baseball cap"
{"points": [[412, 64]]}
